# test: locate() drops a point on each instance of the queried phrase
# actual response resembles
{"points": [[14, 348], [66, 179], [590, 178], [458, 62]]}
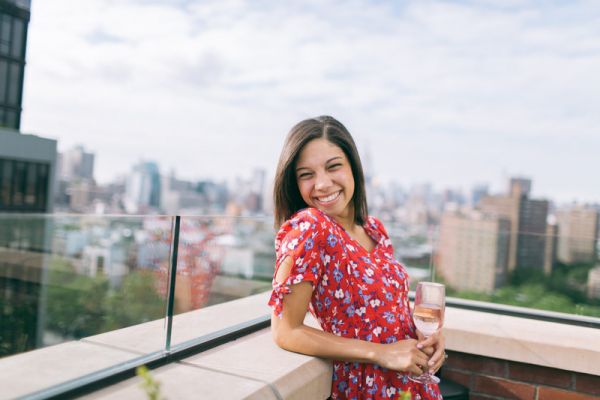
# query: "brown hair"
{"points": [[286, 195]]}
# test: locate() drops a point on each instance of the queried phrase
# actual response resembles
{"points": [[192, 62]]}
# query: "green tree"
{"points": [[135, 301]]}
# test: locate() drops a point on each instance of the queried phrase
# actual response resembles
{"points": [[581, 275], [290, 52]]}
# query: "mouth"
{"points": [[326, 200]]}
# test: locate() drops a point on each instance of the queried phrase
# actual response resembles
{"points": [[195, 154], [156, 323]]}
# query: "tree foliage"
{"points": [[564, 290]]}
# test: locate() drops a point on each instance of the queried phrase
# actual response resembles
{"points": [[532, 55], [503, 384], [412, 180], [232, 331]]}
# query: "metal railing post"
{"points": [[172, 280]]}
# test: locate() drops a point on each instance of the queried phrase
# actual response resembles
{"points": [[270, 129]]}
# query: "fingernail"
{"points": [[419, 346], [430, 363]]}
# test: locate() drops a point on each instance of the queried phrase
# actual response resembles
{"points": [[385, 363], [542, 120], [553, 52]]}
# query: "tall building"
{"points": [[14, 19], [473, 250], [577, 234], [477, 193], [27, 167], [75, 188], [27, 162], [527, 219], [27, 170], [75, 164], [142, 189], [550, 252]]}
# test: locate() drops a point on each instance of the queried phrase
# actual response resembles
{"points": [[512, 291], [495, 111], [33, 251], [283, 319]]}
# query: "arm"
{"points": [[290, 333]]}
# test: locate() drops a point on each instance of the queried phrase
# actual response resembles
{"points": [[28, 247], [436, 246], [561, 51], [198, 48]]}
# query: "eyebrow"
{"points": [[326, 162]]}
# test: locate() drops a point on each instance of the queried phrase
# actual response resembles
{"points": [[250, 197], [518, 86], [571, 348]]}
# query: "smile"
{"points": [[328, 199]]}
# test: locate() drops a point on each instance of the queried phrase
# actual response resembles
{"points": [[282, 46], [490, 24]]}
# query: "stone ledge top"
{"points": [[262, 370], [548, 344]]}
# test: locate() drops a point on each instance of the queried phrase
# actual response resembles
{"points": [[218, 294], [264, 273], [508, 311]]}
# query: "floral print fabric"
{"points": [[356, 294]]}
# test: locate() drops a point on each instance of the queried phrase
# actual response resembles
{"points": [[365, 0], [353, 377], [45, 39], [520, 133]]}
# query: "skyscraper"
{"points": [[27, 162], [527, 223], [142, 190], [577, 234], [14, 19], [473, 250], [27, 170], [75, 164], [27, 165]]}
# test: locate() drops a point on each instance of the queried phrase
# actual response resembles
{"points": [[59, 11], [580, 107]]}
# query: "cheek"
{"points": [[351, 187], [349, 181], [304, 189]]}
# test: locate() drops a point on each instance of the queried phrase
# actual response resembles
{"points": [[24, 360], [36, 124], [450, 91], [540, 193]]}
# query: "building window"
{"points": [[14, 83], [30, 192], [42, 186], [3, 80], [5, 183], [18, 36], [5, 29], [10, 118], [24, 185], [18, 191]]}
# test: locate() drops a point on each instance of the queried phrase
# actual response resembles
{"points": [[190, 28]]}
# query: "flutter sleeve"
{"points": [[301, 238]]}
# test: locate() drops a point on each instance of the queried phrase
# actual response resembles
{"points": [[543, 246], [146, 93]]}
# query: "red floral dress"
{"points": [[356, 294]]}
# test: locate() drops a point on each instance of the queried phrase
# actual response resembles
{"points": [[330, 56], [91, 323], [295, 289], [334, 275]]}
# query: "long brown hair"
{"points": [[286, 195]]}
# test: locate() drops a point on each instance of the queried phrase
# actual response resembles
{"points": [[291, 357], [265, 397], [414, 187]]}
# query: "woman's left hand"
{"points": [[436, 344]]}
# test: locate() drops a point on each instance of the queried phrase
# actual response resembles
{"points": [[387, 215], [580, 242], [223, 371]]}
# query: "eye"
{"points": [[304, 175], [335, 166]]}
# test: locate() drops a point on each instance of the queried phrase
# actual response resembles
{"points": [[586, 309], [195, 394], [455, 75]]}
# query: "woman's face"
{"points": [[325, 179]]}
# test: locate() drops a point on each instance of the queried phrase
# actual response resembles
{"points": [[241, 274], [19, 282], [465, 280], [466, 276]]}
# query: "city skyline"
{"points": [[449, 93]]}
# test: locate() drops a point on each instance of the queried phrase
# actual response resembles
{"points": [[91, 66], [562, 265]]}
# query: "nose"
{"points": [[323, 182]]}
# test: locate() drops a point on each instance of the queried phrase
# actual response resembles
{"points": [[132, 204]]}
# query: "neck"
{"points": [[347, 220]]}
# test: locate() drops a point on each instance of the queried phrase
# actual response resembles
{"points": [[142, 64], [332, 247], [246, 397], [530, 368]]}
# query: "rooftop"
{"points": [[94, 297]]}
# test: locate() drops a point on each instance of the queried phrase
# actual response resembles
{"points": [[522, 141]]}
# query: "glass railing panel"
{"points": [[534, 270], [64, 278], [413, 247], [220, 259]]}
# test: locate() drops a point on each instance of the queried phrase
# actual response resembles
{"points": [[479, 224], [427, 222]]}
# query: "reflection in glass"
{"points": [[222, 259], [65, 278]]}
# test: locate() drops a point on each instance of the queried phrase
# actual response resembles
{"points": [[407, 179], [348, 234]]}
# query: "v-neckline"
{"points": [[366, 228]]}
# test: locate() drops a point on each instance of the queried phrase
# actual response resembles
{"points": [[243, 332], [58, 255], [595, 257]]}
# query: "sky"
{"points": [[449, 92]]}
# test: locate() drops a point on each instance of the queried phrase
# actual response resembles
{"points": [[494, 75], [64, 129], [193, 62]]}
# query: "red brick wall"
{"points": [[491, 378]]}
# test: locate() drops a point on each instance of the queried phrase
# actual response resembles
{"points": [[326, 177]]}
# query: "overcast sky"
{"points": [[453, 93]]}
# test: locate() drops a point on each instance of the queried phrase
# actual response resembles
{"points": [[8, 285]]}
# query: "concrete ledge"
{"points": [[36, 370], [254, 359], [253, 367], [249, 368], [548, 344], [179, 381]]}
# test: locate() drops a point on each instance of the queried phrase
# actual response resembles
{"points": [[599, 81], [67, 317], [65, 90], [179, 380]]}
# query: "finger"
{"points": [[438, 356], [422, 359], [439, 365], [415, 370], [428, 350], [428, 342]]}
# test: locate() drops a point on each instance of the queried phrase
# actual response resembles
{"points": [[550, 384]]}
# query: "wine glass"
{"points": [[428, 315]]}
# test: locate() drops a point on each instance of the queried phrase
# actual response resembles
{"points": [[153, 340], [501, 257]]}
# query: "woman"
{"points": [[336, 259]]}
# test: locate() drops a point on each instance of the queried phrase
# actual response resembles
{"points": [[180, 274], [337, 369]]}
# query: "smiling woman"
{"points": [[336, 259], [301, 160]]}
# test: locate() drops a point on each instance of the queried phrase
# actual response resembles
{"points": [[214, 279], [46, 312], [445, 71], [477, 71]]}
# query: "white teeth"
{"points": [[328, 198]]}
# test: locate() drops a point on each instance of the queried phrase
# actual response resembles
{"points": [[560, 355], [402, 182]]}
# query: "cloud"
{"points": [[195, 84]]}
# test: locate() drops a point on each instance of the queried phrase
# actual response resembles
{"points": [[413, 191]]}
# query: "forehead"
{"points": [[318, 151]]}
